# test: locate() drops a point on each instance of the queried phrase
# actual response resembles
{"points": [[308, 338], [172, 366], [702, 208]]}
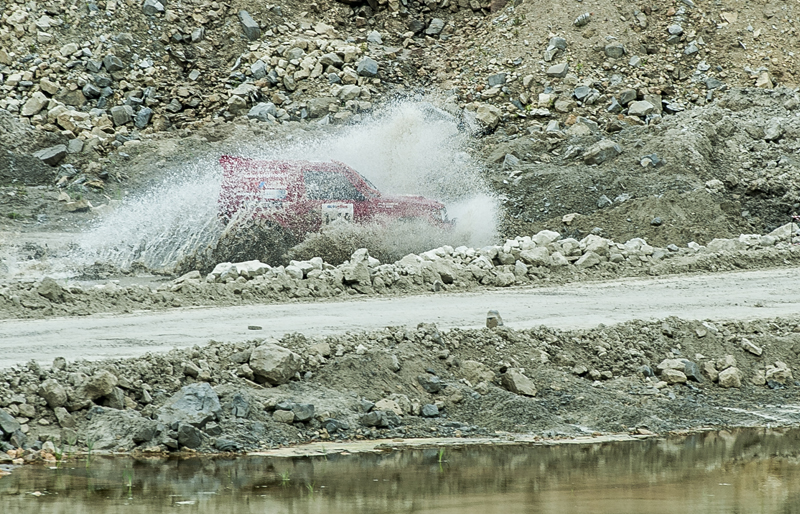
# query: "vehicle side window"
{"points": [[325, 185]]}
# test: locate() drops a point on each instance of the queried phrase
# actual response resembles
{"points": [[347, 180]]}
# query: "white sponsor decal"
{"points": [[335, 211]]}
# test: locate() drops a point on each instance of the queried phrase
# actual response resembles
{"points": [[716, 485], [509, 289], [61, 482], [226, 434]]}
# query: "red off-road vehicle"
{"points": [[293, 198]]}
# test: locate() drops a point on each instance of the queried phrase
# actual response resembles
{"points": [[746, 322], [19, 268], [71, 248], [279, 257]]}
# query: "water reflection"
{"points": [[745, 471]]}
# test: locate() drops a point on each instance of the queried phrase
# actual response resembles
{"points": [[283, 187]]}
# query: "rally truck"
{"points": [[288, 199]]}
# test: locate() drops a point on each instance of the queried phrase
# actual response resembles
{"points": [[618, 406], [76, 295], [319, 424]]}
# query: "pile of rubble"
{"points": [[401, 382], [545, 258]]}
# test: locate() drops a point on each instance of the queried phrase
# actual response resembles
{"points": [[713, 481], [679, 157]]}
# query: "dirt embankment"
{"points": [[638, 377]]}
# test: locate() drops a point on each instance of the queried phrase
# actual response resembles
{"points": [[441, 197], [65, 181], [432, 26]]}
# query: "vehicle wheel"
{"points": [[253, 240]]}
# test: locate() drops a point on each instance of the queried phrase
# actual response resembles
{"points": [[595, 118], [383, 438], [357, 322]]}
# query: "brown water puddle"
{"points": [[744, 471]]}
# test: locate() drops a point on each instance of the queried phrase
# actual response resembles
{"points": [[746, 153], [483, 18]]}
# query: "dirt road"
{"points": [[742, 295]]}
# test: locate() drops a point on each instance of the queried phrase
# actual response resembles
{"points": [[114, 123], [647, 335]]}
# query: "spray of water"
{"points": [[409, 148]]}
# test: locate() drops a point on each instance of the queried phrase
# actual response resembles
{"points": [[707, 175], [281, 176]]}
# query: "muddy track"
{"points": [[738, 296]]}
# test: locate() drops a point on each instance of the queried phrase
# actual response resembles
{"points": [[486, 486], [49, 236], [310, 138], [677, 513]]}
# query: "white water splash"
{"points": [[409, 148]]}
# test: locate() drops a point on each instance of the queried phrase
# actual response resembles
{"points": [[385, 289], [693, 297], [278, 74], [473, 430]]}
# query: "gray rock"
{"points": [[640, 108], [430, 410], [52, 155], [550, 53], [152, 7], [498, 79], [303, 411], [558, 70], [773, 130], [91, 91], [656, 222], [714, 83], [8, 424], [614, 107], [143, 117], [75, 146], [99, 385], [673, 376], [318, 107], [691, 49], [692, 371], [189, 436], [258, 69], [730, 377], [213, 429], [64, 418], [295, 53], [614, 50], [675, 30], [113, 63], [51, 290], [239, 406], [249, 26], [381, 419], [510, 161], [331, 59], [263, 111], [557, 42], [195, 404], [488, 116], [493, 319], [112, 429], [588, 260], [356, 272], [435, 27], [121, 114], [274, 364], [604, 201], [431, 383], [627, 96], [516, 382], [35, 104], [335, 425], [601, 152], [368, 67], [53, 393], [750, 347], [115, 399], [283, 416], [374, 37], [226, 445], [581, 92], [175, 105]]}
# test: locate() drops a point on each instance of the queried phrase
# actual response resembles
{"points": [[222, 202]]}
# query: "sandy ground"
{"points": [[740, 295]]}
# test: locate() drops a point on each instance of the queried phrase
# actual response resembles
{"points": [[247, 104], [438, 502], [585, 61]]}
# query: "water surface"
{"points": [[721, 472]]}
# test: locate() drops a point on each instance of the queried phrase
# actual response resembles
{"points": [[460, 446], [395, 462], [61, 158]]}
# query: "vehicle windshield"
{"points": [[365, 179]]}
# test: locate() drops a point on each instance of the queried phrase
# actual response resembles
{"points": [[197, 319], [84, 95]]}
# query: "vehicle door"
{"points": [[333, 196]]}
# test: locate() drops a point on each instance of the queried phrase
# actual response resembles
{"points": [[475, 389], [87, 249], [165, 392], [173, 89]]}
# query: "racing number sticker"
{"points": [[335, 211]]}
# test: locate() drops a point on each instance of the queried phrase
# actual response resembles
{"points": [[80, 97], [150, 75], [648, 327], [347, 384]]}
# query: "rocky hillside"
{"points": [[622, 112]]}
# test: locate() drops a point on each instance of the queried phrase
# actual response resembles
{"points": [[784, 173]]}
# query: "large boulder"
{"points": [[356, 272], [516, 382], [601, 152], [274, 364], [53, 393], [8, 424], [476, 372], [51, 290], [111, 429], [100, 384], [195, 404], [730, 377]]}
